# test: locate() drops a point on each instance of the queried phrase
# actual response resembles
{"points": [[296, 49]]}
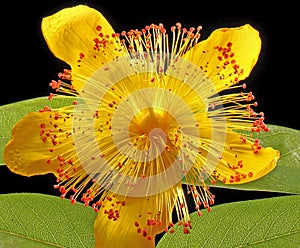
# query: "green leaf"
{"points": [[13, 112], [272, 222], [286, 175], [37, 220]]}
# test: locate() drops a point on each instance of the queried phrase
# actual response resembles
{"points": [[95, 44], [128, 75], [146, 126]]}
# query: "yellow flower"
{"points": [[153, 107]]}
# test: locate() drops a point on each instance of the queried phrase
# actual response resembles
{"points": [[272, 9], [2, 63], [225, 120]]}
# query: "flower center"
{"points": [[150, 122], [156, 133]]}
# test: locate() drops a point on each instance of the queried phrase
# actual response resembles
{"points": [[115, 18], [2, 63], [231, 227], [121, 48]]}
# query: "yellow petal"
{"points": [[228, 55], [70, 35], [36, 144], [138, 221], [242, 162]]}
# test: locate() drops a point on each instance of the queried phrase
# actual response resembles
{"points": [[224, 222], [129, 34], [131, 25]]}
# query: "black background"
{"points": [[28, 66]]}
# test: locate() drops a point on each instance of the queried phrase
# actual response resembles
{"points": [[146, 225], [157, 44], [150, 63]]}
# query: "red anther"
{"points": [[55, 84], [62, 189], [197, 35], [211, 201], [60, 158], [81, 55], [186, 230], [149, 237], [209, 209], [199, 28], [250, 174], [172, 231], [178, 25], [136, 224], [46, 109], [237, 178], [51, 95], [49, 161], [244, 140], [144, 232], [192, 29], [72, 199], [98, 28], [229, 44], [74, 189], [150, 222]]}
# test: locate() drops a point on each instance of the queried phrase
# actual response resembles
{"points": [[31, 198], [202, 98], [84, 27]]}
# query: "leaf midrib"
{"points": [[29, 238], [268, 239]]}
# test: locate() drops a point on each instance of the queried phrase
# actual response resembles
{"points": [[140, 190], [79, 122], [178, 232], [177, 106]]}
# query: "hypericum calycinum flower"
{"points": [[153, 107]]}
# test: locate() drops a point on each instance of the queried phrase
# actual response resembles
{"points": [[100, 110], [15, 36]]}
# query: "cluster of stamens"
{"points": [[152, 39]]}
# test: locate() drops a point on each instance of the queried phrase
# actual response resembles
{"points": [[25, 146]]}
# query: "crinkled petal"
{"points": [[228, 55], [37, 142], [242, 162], [70, 35]]}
